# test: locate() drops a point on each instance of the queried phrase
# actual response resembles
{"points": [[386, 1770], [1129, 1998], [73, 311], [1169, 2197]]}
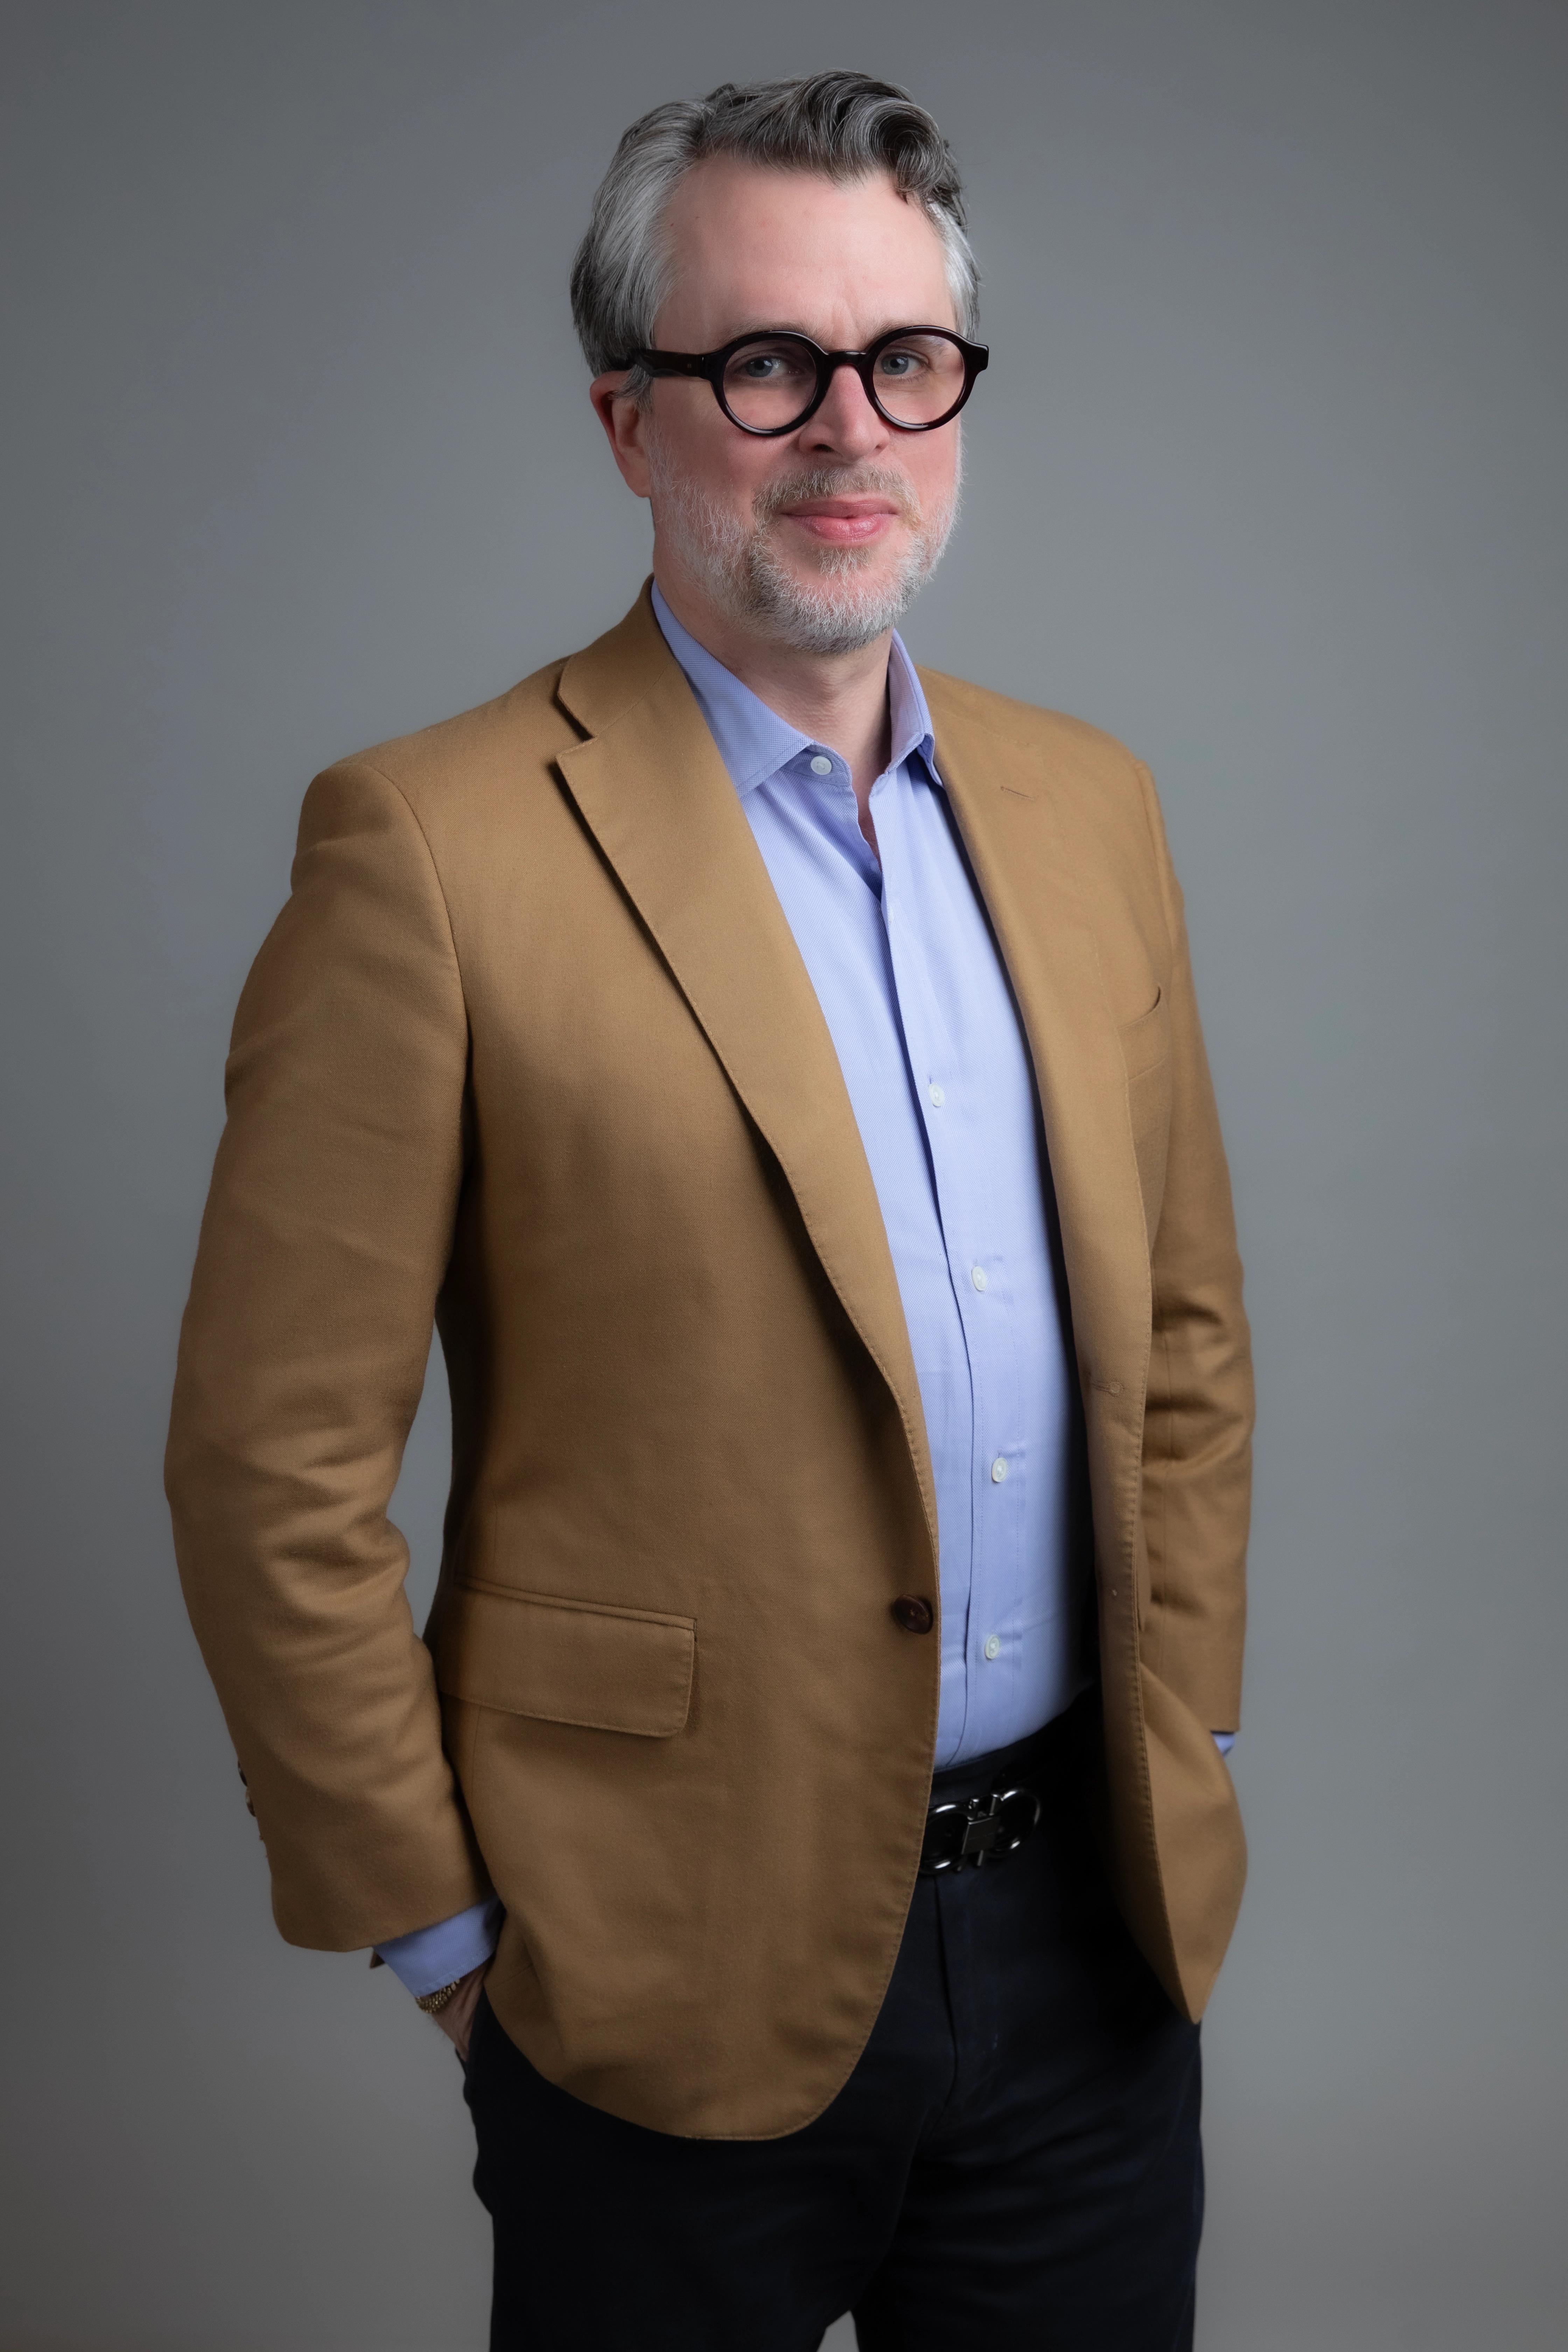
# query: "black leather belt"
{"points": [[981, 1830]]}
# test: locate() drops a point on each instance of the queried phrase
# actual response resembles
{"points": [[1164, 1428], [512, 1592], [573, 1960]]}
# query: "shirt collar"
{"points": [[753, 741]]}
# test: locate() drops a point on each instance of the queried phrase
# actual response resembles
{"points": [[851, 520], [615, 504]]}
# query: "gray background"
{"points": [[1268, 478]]}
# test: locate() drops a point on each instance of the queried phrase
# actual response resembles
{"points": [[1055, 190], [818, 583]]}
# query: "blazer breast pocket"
{"points": [[1146, 1057]]}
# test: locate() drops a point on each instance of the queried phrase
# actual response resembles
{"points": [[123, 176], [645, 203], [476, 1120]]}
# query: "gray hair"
{"points": [[843, 125]]}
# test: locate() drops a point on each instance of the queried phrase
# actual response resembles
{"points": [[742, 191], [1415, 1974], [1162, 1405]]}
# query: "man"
{"points": [[778, 1073]]}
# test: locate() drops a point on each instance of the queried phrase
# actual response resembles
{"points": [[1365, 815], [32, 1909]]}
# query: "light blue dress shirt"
{"points": [[918, 1007], [938, 1073]]}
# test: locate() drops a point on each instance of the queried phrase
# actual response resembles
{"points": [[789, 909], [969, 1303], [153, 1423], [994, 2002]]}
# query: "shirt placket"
{"points": [[923, 1034], [947, 1085]]}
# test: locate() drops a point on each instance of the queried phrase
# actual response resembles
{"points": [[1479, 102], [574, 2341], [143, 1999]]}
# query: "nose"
{"points": [[845, 425]]}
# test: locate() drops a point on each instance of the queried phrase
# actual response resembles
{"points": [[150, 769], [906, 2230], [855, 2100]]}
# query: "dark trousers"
{"points": [[1013, 2162]]}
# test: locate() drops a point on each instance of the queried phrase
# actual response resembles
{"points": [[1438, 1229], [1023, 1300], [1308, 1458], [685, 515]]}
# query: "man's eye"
{"points": [[771, 368], [901, 366]]}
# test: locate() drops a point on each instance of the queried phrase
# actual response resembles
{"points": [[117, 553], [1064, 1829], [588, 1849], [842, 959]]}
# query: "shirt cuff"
{"points": [[1224, 1740], [430, 1958]]}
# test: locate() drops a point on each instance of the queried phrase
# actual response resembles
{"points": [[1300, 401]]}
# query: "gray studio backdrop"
{"points": [[1268, 478]]}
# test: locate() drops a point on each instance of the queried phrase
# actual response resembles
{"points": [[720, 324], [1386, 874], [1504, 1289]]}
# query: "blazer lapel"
{"points": [[1003, 799], [651, 787]]}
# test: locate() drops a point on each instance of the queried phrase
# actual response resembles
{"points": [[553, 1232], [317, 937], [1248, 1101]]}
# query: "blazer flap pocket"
{"points": [[567, 1661]]}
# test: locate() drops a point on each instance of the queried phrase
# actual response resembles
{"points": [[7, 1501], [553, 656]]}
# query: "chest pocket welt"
{"points": [[1146, 1056], [567, 1661]]}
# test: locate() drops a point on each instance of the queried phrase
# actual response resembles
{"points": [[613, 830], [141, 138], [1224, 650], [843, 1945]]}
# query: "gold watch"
{"points": [[432, 2001]]}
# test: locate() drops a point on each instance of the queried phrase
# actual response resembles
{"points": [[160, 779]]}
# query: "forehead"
{"points": [[751, 245]]}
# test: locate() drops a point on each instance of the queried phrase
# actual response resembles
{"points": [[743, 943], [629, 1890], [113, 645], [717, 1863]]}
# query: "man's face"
{"points": [[818, 537]]}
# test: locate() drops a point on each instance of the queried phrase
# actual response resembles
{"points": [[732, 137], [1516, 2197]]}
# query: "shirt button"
{"points": [[998, 1470], [977, 1277], [821, 767], [938, 1097], [993, 1646]]}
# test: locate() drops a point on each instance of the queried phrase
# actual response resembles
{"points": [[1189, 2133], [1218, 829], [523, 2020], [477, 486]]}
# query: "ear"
{"points": [[626, 422]]}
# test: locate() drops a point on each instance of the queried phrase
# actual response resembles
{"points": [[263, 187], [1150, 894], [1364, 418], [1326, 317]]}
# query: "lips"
{"points": [[843, 521], [833, 507], [840, 509]]}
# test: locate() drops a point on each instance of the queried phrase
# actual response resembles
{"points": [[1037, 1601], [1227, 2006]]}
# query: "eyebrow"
{"points": [[789, 327], [768, 327]]}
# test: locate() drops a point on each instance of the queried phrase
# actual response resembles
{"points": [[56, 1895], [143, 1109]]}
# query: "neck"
{"points": [[839, 700]]}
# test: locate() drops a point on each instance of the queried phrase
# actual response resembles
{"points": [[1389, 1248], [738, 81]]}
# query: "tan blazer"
{"points": [[532, 1049]]}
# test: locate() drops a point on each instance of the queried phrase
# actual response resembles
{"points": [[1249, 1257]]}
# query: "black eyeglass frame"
{"points": [[712, 364]]}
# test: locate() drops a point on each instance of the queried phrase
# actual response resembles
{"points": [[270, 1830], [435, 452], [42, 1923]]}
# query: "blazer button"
{"points": [[914, 1613]]}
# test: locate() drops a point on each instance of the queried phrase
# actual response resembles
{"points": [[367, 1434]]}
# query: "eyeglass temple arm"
{"points": [[668, 363]]}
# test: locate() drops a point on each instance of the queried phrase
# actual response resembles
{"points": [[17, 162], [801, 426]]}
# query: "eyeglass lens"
{"points": [[770, 383]]}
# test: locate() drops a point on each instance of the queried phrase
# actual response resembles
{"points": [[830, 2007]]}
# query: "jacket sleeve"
{"points": [[302, 1354], [1197, 1442]]}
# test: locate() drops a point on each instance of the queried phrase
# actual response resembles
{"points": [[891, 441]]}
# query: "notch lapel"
{"points": [[652, 789]]}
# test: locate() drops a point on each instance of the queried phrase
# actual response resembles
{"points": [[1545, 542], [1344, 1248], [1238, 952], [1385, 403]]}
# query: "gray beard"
{"points": [[739, 568]]}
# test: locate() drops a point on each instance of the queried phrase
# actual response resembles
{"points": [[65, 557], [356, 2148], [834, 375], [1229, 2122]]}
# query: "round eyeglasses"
{"points": [[916, 378]]}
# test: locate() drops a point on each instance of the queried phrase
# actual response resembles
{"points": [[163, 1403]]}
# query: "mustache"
{"points": [[837, 482]]}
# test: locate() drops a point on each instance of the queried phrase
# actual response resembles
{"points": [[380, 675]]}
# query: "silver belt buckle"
{"points": [[983, 1829]]}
